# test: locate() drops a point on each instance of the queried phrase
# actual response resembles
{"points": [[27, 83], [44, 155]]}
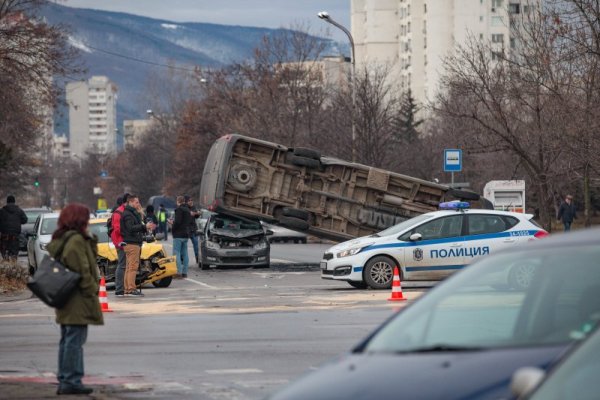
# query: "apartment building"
{"points": [[92, 116], [412, 37], [134, 130]]}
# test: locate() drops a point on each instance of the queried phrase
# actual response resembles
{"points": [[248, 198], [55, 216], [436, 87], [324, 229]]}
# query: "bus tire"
{"points": [[294, 223], [296, 213], [303, 161], [307, 153], [464, 194]]}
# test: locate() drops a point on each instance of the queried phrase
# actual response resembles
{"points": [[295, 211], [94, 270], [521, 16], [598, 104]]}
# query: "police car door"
{"points": [[487, 233], [439, 252]]}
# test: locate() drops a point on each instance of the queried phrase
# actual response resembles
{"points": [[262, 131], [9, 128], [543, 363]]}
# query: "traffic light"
{"points": [[37, 182]]}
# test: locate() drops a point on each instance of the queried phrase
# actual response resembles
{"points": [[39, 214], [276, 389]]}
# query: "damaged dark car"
{"points": [[228, 240]]}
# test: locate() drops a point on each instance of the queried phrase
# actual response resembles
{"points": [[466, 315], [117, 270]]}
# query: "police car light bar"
{"points": [[454, 205]]}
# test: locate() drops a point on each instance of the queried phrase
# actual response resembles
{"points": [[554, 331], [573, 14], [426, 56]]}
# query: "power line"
{"points": [[140, 60]]}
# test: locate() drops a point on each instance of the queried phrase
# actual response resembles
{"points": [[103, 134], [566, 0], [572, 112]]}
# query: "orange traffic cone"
{"points": [[103, 297], [396, 287]]}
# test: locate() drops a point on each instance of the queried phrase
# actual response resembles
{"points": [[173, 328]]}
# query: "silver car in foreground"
{"points": [[37, 241]]}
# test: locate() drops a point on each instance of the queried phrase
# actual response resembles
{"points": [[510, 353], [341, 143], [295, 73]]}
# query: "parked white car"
{"points": [[44, 227], [430, 246], [281, 234]]}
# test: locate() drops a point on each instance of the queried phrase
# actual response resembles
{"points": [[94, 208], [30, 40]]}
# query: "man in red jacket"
{"points": [[117, 239]]}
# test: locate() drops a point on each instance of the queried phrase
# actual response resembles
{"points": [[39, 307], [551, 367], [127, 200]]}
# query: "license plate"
{"points": [[323, 264]]}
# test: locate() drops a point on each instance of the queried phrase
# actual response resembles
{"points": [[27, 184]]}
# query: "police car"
{"points": [[430, 246]]}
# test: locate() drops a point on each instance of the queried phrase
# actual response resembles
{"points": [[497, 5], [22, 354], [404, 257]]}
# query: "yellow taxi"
{"points": [[155, 267]]}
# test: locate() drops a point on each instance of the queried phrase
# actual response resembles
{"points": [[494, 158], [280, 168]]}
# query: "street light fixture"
{"points": [[152, 115], [324, 15]]}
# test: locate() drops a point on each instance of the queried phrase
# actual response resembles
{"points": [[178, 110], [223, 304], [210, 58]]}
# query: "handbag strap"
{"points": [[62, 247]]}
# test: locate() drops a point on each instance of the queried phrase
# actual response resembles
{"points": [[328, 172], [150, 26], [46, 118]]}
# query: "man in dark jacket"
{"points": [[567, 212], [181, 233], [11, 219], [133, 229]]}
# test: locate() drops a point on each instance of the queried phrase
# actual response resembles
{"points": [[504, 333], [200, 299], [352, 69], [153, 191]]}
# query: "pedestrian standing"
{"points": [[133, 230], [11, 219], [117, 238], [193, 225], [151, 217], [181, 233], [567, 212], [162, 217], [83, 308]]}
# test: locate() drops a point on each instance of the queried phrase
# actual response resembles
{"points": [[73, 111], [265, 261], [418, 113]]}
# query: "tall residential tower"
{"points": [[413, 37], [92, 116]]}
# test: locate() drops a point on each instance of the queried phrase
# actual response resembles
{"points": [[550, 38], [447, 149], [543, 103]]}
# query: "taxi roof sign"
{"points": [[454, 205]]}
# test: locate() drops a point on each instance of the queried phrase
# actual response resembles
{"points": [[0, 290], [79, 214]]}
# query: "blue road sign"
{"points": [[452, 160]]}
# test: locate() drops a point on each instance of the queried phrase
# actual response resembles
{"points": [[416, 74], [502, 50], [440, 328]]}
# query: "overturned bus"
{"points": [[302, 190]]}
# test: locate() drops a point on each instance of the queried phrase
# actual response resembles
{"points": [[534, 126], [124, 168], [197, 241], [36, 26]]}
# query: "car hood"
{"points": [[447, 375], [238, 233], [349, 244]]}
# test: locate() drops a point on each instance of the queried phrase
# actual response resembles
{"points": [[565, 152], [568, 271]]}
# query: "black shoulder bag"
{"points": [[53, 283]]}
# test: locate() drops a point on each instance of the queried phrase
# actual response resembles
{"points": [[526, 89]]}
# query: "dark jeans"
{"points": [[120, 272], [194, 239], [70, 356], [162, 227], [567, 226], [10, 246]]}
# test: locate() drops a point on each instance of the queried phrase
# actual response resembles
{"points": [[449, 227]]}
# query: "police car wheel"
{"points": [[358, 285], [520, 275], [379, 272]]}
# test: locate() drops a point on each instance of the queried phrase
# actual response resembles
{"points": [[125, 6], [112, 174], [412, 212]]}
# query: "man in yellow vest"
{"points": [[162, 215]]}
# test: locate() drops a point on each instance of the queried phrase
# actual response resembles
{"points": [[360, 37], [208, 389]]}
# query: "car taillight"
{"points": [[541, 234]]}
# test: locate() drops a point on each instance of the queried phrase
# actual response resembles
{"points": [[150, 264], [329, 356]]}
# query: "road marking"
{"points": [[279, 260], [234, 371], [201, 283]]}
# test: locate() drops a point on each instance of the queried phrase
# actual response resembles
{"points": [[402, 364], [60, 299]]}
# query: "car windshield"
{"points": [[48, 225], [480, 307], [231, 223], [32, 215], [404, 225], [577, 377], [101, 231]]}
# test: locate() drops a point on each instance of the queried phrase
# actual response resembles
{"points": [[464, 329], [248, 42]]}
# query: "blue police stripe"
{"points": [[357, 269], [436, 268], [452, 240]]}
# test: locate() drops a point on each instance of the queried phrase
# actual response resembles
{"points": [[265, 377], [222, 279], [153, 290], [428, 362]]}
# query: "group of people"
{"points": [[11, 219], [128, 225]]}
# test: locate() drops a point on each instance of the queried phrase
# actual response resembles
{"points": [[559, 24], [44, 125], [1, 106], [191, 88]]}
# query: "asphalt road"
{"points": [[220, 334]]}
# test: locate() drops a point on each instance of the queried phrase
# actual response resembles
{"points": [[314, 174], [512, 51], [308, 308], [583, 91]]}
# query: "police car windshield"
{"points": [[393, 230], [480, 308]]}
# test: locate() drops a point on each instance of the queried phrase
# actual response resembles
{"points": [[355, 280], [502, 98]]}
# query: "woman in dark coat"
{"points": [[83, 308]]}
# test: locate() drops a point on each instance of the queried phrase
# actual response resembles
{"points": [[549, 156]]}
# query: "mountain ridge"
{"points": [[154, 41]]}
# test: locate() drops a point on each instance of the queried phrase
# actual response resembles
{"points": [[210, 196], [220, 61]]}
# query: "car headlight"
{"points": [[43, 246], [260, 245], [351, 252], [212, 245]]}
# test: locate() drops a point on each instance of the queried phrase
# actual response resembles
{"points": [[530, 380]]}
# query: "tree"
{"points": [[407, 122], [32, 53]]}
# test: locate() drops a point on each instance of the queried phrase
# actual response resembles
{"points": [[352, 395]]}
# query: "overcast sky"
{"points": [[260, 13]]}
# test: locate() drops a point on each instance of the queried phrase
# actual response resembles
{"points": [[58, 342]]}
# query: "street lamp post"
{"points": [[324, 15], [151, 114]]}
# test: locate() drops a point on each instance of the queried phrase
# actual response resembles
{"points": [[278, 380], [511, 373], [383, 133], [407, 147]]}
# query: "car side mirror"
{"points": [[269, 232], [415, 237], [525, 379]]}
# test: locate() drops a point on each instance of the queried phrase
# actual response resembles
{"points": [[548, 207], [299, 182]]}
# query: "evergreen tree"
{"points": [[407, 123]]}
